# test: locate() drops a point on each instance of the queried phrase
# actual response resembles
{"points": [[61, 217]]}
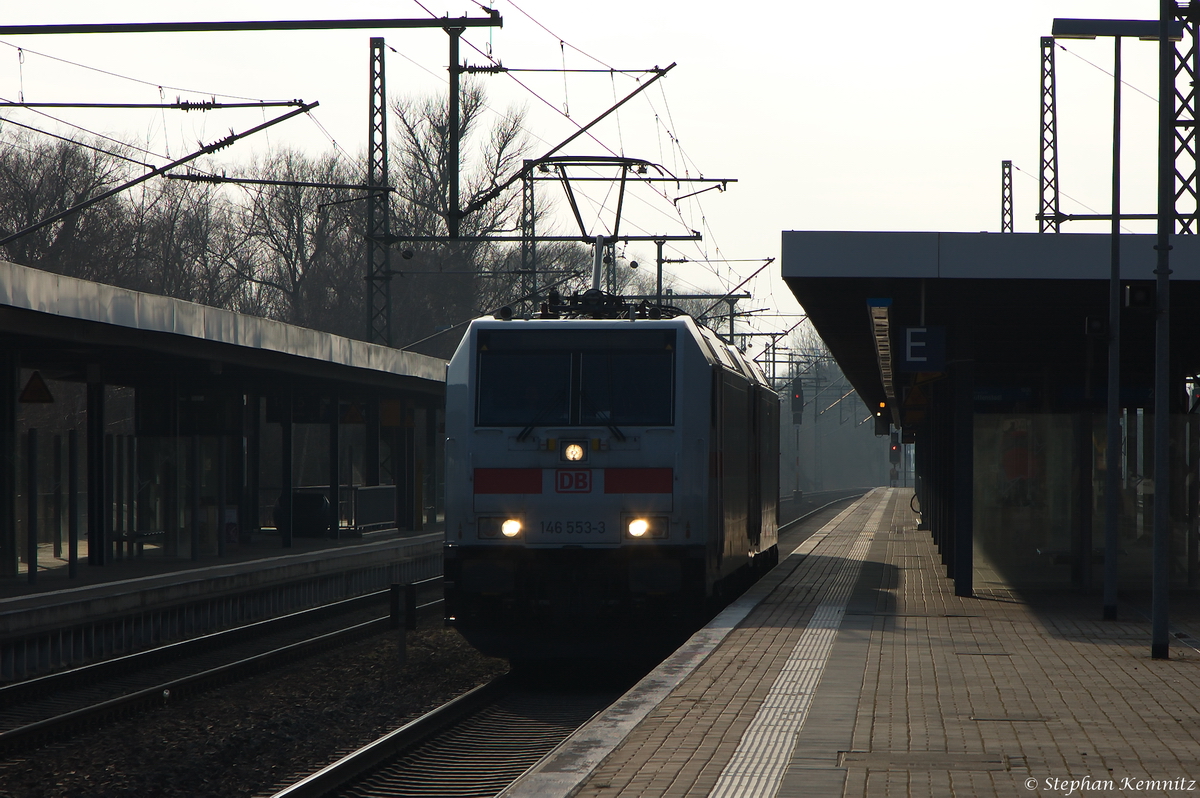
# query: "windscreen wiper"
{"points": [[606, 422], [540, 415]]}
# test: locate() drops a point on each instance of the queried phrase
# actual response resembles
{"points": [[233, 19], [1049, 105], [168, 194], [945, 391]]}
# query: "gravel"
{"points": [[254, 737]]}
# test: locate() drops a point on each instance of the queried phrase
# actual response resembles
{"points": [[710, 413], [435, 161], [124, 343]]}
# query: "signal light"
{"points": [[797, 396]]}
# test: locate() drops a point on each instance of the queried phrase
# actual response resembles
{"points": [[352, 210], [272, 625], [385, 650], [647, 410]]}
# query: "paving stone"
{"points": [[919, 692]]}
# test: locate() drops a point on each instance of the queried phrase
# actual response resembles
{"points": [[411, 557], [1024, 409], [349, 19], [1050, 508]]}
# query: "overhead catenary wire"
{"points": [[205, 150], [1068, 196], [76, 142], [223, 94], [1151, 97], [85, 130], [124, 77], [674, 139], [546, 102], [559, 38]]}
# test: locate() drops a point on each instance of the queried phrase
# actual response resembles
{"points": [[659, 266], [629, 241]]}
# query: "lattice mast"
{"points": [[379, 272], [1006, 197], [1048, 210], [1187, 159]]}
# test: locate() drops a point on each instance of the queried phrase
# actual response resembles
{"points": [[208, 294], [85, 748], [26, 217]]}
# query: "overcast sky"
{"points": [[831, 116]]}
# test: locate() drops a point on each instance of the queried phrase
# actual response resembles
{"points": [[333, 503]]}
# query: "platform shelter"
{"points": [[154, 426], [989, 353]]}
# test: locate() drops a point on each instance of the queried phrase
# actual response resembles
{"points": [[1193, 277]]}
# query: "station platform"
{"points": [[852, 669], [137, 602], [53, 572]]}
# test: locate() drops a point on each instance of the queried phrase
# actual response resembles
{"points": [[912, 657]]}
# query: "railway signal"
{"points": [[797, 401]]}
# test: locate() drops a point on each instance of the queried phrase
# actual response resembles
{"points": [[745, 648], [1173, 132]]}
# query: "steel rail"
{"points": [[41, 685], [158, 694], [854, 494], [357, 763], [362, 765]]}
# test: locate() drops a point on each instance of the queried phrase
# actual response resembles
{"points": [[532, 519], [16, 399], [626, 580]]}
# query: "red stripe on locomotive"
{"points": [[638, 480], [508, 480]]}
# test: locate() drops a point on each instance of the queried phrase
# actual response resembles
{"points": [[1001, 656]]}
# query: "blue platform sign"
{"points": [[922, 349]]}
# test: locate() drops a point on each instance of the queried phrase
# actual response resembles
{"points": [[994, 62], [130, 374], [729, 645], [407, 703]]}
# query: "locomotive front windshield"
{"points": [[575, 378]]}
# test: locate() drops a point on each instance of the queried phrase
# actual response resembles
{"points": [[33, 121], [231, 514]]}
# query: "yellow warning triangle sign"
{"points": [[36, 391]]}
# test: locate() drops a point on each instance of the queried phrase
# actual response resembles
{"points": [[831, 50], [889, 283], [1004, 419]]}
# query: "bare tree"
{"points": [[185, 243], [39, 179], [444, 284], [305, 261]]}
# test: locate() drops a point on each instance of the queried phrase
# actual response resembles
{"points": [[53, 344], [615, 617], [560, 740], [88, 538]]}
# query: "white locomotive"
{"points": [[607, 481]]}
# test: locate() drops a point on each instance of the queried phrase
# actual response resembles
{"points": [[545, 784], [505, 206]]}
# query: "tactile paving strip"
{"points": [[762, 755]]}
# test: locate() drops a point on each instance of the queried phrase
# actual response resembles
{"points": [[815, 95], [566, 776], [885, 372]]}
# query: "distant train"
{"points": [[607, 480]]}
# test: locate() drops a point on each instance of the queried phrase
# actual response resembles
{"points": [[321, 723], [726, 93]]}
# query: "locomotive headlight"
{"points": [[511, 528], [573, 451], [646, 527]]}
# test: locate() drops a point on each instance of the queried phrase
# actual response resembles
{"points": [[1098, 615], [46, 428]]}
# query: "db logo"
{"points": [[572, 481]]}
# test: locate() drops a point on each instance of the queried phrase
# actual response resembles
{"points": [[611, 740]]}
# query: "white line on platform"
{"points": [[561, 771], [761, 758]]}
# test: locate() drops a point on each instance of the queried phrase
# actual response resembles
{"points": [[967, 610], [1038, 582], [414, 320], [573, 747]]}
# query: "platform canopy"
{"points": [[1029, 310], [65, 326]]}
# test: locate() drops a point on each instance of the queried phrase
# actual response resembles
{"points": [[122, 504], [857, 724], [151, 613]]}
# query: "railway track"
{"points": [[50, 707], [478, 744], [813, 503], [472, 747]]}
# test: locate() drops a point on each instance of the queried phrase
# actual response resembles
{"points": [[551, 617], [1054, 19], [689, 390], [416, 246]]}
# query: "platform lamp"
{"points": [[1145, 30]]}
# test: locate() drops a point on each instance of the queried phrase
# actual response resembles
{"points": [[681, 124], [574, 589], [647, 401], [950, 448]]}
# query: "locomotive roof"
{"points": [[711, 345]]}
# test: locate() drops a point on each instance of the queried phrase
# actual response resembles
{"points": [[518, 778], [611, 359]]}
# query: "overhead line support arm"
{"points": [[498, 190], [493, 20], [211, 148]]}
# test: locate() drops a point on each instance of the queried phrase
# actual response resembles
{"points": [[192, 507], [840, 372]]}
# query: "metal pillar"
{"points": [[56, 521], [1081, 569], [131, 487], [1112, 453], [371, 449], [117, 464], [1006, 197], [964, 480], [72, 504], [194, 493], [658, 284], [31, 512], [404, 455], [249, 520], [1048, 213], [453, 213], [222, 493], [9, 388], [287, 477], [431, 465], [335, 465], [1160, 635], [96, 514], [379, 272]]}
